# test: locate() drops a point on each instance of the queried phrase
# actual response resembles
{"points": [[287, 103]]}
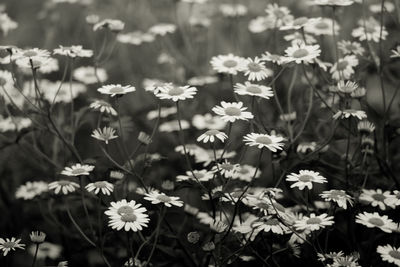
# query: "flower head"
{"points": [[31, 190], [77, 170], [105, 134], [116, 89], [63, 186], [101, 186], [253, 90], [338, 196], [127, 215], [156, 197], [390, 254], [176, 93], [299, 52], [6, 245], [256, 70], [211, 135], [103, 107], [314, 222], [272, 142], [305, 178], [372, 220], [228, 64], [233, 111]]}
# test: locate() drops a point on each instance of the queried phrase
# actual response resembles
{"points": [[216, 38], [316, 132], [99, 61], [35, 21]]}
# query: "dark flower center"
{"points": [[379, 197], [163, 198], [395, 254], [376, 221], [314, 220], [117, 90], [176, 91], [233, 111], [230, 63], [265, 140], [306, 178], [253, 89], [254, 67], [300, 53]]}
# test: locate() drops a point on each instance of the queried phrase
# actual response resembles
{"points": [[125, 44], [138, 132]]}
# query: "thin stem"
{"points": [[35, 255]]}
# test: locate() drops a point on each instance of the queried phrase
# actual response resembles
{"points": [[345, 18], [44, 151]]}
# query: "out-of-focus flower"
{"points": [[331, 2], [162, 29], [116, 89], [127, 215], [207, 121], [344, 68], [6, 23], [31, 190], [338, 196], [345, 114], [202, 80], [233, 10], [73, 51], [46, 250], [163, 112], [90, 75], [369, 30], [37, 237], [197, 175], [113, 25], [14, 124], [172, 126], [322, 26], [348, 47], [279, 15], [157, 198], [395, 52]]}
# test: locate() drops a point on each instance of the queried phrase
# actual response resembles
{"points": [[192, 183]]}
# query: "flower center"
{"points": [[30, 54], [254, 67], [264, 140], [9, 244], [253, 89], [321, 25], [342, 65], [299, 53], [78, 171], [176, 91], [125, 210], [233, 111], [100, 184], [379, 197], [128, 217], [273, 221], [395, 254], [230, 63], [314, 220], [370, 29], [117, 90], [64, 182], [163, 198], [212, 132], [376, 221], [278, 13], [226, 166], [2, 81], [300, 21], [305, 178]]}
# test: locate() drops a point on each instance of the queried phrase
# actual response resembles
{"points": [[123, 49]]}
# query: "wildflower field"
{"points": [[199, 133]]}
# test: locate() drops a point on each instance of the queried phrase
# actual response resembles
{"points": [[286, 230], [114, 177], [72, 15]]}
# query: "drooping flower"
{"points": [[63, 186], [106, 134], [211, 135], [101, 186]]}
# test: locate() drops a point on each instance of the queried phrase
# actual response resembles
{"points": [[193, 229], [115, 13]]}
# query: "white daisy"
{"points": [[208, 121], [31, 190], [90, 75], [63, 186], [225, 168], [348, 47], [305, 178], [394, 200], [113, 25], [346, 87], [376, 198], [211, 135], [232, 111], [169, 201], [272, 142], [106, 134], [369, 30], [228, 64], [279, 15], [372, 220], [345, 114], [105, 187], [172, 126], [338, 196], [199, 175], [269, 224], [245, 173], [299, 52], [344, 68], [322, 26], [252, 89], [314, 222], [77, 170], [73, 51], [389, 254], [176, 93], [256, 70], [103, 107], [164, 112], [6, 245], [116, 89], [127, 215], [162, 29]]}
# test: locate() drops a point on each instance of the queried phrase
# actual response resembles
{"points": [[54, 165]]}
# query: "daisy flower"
{"points": [[228, 64], [296, 37], [331, 2], [162, 29], [233, 10], [176, 93], [210, 135], [90, 75], [389, 254], [274, 58], [113, 25], [226, 168], [6, 245], [372, 220], [164, 112], [260, 24], [347, 88], [63, 186], [348, 47], [256, 70], [169, 201], [365, 127], [105, 187], [116, 89], [31, 190], [344, 68], [279, 15], [208, 121], [314, 222], [245, 173], [272, 142], [172, 126], [103, 107], [394, 200], [37, 237], [297, 23], [73, 51], [305, 178], [252, 89], [322, 26], [202, 80], [199, 175], [127, 215], [6, 23], [369, 30], [299, 53], [232, 111], [32, 53], [338, 196], [376, 198], [269, 224], [345, 114], [105, 134], [77, 170]]}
